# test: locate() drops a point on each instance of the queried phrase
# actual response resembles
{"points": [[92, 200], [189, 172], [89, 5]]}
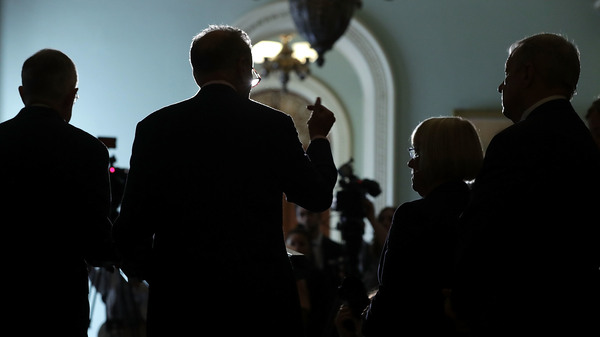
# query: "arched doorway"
{"points": [[373, 69], [370, 64]]}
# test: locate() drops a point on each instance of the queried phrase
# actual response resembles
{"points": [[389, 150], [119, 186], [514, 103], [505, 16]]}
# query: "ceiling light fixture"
{"points": [[284, 57], [322, 22]]}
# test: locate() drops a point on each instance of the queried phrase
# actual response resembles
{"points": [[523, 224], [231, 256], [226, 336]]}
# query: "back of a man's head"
{"points": [[48, 75], [556, 60], [218, 47]]}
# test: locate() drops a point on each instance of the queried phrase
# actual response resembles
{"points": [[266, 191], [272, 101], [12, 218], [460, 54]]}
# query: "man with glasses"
{"points": [[530, 257], [201, 217]]}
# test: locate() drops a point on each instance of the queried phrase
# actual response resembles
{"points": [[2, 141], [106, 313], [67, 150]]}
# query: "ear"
{"points": [[70, 97], [242, 66], [66, 106], [196, 79], [528, 73], [243, 76], [22, 94]]}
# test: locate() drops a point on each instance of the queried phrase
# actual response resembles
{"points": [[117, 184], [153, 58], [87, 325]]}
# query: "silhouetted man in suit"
{"points": [[201, 217], [54, 204], [530, 236], [592, 118]]}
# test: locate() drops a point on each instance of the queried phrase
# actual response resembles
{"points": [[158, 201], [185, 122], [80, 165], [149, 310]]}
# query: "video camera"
{"points": [[350, 203], [349, 200]]}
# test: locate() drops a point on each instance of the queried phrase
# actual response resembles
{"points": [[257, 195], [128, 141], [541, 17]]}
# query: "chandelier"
{"points": [[320, 22], [284, 58]]}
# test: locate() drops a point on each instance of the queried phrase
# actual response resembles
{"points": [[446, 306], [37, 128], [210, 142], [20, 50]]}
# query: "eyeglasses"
{"points": [[412, 152], [255, 78]]}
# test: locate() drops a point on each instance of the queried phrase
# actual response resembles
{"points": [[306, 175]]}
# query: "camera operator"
{"points": [[352, 203], [358, 261]]}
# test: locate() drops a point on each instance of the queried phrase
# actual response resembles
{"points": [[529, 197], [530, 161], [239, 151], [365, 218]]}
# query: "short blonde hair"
{"points": [[449, 148]]}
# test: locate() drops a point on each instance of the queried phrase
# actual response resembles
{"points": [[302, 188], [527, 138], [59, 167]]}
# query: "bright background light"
{"points": [[270, 49], [264, 49], [302, 50]]}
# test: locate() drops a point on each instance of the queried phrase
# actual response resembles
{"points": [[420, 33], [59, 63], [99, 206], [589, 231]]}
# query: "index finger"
{"points": [[318, 101], [313, 106]]}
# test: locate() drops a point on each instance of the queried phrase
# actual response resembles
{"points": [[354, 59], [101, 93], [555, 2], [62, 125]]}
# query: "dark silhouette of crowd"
{"points": [[499, 243]]}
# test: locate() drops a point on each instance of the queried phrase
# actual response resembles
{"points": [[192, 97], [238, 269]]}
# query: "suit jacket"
{"points": [[416, 264], [530, 248], [54, 206], [201, 215]]}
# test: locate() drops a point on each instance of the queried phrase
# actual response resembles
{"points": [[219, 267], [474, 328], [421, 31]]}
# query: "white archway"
{"points": [[372, 67]]}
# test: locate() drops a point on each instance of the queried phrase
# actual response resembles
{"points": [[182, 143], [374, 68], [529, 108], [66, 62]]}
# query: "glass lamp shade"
{"points": [[322, 22]]}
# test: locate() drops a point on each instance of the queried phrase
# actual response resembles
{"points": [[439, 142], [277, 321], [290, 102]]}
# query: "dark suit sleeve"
{"points": [[308, 178], [92, 205], [133, 231], [397, 260]]}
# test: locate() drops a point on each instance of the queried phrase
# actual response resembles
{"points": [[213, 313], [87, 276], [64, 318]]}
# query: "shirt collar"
{"points": [[40, 105], [540, 102], [219, 82]]}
